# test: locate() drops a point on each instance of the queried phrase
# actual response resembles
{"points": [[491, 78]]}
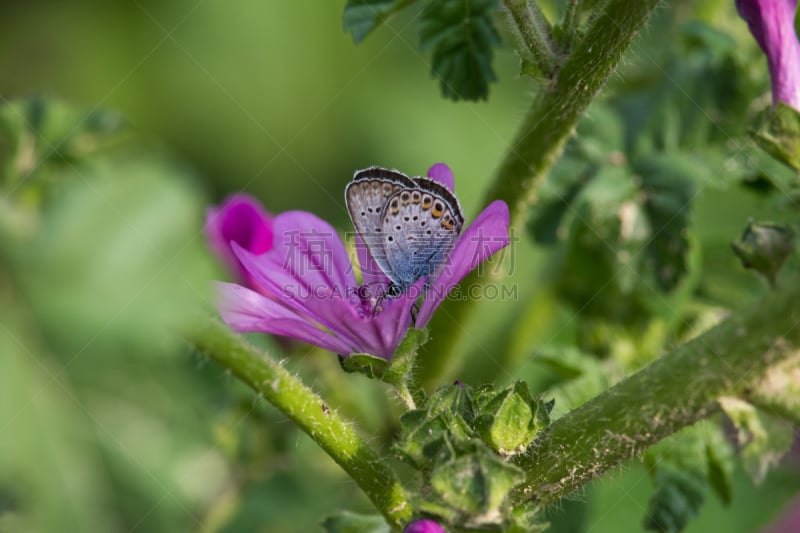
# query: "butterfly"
{"points": [[409, 225]]}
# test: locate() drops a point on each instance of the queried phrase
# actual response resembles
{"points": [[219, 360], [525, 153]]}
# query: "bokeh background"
{"points": [[130, 118]]}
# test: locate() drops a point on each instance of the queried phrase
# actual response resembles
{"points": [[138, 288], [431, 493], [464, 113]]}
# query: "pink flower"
{"points": [[304, 287], [772, 24], [424, 526], [241, 220]]}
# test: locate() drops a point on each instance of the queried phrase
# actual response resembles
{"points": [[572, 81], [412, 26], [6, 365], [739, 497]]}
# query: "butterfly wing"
{"points": [[366, 196], [420, 227]]}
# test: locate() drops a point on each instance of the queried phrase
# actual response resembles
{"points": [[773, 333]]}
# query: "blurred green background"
{"points": [[128, 119]]}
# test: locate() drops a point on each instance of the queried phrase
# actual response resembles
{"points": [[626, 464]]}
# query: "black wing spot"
{"points": [[363, 213], [390, 238]]}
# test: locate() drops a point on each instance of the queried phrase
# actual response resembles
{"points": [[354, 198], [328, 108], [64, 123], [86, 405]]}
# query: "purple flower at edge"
{"points": [[241, 220], [424, 526], [303, 286], [772, 24]]}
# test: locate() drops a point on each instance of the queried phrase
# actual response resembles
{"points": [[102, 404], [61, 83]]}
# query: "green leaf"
{"points": [[347, 522], [402, 363], [396, 371], [476, 483], [765, 437], [779, 135], [678, 498], [39, 135], [669, 187], [453, 400], [510, 421], [462, 36], [606, 229], [683, 467], [421, 438], [557, 195], [362, 16], [719, 476]]}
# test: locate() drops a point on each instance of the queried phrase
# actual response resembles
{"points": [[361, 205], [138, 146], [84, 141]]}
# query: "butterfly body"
{"points": [[409, 225]]}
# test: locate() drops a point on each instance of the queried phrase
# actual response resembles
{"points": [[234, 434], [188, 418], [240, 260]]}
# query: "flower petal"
{"points": [[426, 525], [485, 236], [306, 296], [240, 219], [442, 174], [772, 24], [310, 249], [246, 311], [380, 334]]}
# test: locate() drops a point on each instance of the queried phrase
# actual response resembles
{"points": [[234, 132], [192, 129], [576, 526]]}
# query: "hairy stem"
{"points": [[674, 392], [553, 117], [571, 16], [306, 409], [534, 30], [537, 145]]}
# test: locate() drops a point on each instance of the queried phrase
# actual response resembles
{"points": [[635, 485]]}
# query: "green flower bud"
{"points": [[764, 247]]}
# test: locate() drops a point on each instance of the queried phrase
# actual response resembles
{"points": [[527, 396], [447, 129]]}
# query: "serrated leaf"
{"points": [[677, 499], [669, 186], [362, 16], [605, 229], [557, 196], [765, 437], [476, 483], [422, 438], [510, 421], [462, 36], [347, 522], [683, 467], [455, 399]]}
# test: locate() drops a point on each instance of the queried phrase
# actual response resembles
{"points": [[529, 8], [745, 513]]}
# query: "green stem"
{"points": [[553, 118], [674, 392], [571, 16], [538, 144], [405, 394], [306, 409], [535, 32]]}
